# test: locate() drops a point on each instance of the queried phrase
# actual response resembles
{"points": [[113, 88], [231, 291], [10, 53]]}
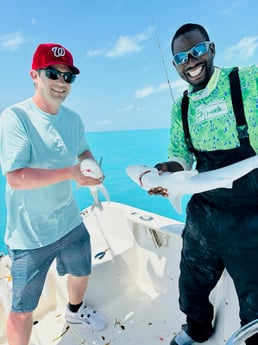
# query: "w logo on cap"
{"points": [[58, 51], [49, 54]]}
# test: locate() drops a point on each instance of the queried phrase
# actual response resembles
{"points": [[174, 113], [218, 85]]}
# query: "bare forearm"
{"points": [[30, 178]]}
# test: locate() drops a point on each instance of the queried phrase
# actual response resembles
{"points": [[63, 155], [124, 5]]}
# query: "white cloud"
{"points": [[178, 87], [127, 108], [94, 52], [163, 86], [245, 48], [130, 108], [148, 90], [126, 45], [11, 41]]}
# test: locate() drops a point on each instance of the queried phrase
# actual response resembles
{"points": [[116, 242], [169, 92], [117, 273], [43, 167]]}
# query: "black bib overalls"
{"points": [[221, 231]]}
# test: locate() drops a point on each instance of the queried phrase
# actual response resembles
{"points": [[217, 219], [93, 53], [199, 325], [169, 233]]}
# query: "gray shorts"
{"points": [[30, 267]]}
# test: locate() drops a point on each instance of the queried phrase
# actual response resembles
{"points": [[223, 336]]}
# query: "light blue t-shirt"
{"points": [[32, 138]]}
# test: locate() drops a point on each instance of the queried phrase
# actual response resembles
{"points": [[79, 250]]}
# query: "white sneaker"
{"points": [[87, 316]]}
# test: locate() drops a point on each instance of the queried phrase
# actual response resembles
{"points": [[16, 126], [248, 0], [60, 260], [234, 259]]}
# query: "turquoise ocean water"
{"points": [[119, 149]]}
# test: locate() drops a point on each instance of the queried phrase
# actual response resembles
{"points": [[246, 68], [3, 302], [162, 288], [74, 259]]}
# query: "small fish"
{"points": [[100, 255], [90, 167], [63, 333], [190, 182]]}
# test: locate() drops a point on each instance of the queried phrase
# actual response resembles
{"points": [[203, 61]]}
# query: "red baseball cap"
{"points": [[48, 54]]}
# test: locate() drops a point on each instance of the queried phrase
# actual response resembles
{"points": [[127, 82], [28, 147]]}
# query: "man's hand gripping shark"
{"points": [[190, 182], [90, 167]]}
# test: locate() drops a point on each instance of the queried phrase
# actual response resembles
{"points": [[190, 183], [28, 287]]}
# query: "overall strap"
{"points": [[184, 113], [238, 106]]}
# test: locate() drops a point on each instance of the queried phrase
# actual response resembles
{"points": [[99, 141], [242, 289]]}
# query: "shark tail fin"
{"points": [[176, 202], [104, 192], [97, 203]]}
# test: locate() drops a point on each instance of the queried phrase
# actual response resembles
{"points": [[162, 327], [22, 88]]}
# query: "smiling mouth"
{"points": [[59, 91], [195, 72]]}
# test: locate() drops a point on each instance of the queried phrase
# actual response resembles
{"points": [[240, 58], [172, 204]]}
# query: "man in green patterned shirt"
{"points": [[213, 126]]}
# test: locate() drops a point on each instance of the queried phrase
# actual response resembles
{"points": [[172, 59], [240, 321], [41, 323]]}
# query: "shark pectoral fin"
{"points": [[104, 192], [176, 202]]}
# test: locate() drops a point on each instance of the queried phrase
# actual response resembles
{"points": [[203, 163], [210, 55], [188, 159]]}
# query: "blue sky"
{"points": [[122, 48]]}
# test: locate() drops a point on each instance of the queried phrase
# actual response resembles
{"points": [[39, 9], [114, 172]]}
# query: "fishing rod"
{"points": [[162, 60]]}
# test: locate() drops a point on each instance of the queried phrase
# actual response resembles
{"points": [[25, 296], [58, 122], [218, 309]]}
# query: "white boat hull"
{"points": [[135, 285]]}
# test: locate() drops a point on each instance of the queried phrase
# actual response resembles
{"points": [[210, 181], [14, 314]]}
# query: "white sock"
{"points": [[183, 338]]}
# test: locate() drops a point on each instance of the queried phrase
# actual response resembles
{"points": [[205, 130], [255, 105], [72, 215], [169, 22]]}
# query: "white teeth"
{"points": [[195, 72], [58, 90]]}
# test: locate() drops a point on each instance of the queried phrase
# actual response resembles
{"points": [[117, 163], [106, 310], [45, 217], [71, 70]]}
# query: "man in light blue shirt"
{"points": [[42, 144]]}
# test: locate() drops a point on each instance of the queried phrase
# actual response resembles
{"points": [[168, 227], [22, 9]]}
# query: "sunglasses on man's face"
{"points": [[196, 51], [54, 74]]}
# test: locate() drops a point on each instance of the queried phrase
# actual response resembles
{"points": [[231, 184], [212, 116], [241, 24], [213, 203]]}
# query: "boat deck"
{"points": [[134, 285]]}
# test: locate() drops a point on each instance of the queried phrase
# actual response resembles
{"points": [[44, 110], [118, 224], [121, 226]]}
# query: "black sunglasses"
{"points": [[54, 74]]}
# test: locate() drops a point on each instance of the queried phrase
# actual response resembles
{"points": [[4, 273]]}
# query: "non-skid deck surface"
{"points": [[133, 318]]}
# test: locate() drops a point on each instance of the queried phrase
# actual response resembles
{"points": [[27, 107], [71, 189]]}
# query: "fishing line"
{"points": [[162, 59]]}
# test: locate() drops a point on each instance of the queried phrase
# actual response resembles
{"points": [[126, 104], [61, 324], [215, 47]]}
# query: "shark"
{"points": [[190, 182], [89, 167]]}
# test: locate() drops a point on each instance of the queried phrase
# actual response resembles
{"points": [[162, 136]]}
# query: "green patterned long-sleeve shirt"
{"points": [[211, 118]]}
